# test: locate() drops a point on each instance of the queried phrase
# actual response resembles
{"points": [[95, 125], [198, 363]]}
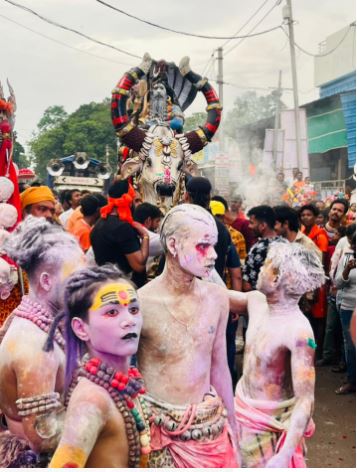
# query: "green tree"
{"points": [[250, 108], [89, 129], [52, 117], [194, 121], [19, 156]]}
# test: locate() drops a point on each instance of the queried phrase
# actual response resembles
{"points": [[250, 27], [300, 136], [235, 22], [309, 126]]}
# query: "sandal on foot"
{"points": [[345, 389]]}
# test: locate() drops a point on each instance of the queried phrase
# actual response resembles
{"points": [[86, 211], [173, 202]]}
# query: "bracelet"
{"points": [[146, 237]]}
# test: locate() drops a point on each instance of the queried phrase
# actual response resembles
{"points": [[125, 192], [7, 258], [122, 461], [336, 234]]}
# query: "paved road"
{"points": [[334, 442]]}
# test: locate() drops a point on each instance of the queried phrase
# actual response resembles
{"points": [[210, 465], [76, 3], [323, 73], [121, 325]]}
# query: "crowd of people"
{"points": [[119, 341]]}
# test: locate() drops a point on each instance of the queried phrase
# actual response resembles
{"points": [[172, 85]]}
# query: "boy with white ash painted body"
{"points": [[275, 396]]}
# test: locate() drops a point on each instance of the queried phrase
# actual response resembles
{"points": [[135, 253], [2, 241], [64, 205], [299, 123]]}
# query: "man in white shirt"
{"points": [[72, 198], [150, 216]]}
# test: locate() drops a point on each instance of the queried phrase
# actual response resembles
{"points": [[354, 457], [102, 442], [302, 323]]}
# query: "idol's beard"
{"points": [[158, 107]]}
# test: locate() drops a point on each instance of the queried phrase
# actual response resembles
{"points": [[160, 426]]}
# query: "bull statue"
{"points": [[160, 153]]}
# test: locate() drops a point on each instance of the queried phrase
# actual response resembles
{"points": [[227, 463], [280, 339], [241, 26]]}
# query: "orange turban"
{"points": [[36, 195]]}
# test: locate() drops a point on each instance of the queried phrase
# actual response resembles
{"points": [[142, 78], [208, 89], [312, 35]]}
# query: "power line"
{"points": [[352, 25], [237, 32], [58, 25], [208, 64], [251, 88], [61, 43], [248, 21], [184, 33], [256, 25]]}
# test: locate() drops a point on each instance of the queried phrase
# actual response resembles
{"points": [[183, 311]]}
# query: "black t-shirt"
{"points": [[222, 247], [111, 239]]}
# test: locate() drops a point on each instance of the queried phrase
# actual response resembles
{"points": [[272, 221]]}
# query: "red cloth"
{"points": [[320, 238], [123, 205], [242, 225], [195, 454], [8, 170]]}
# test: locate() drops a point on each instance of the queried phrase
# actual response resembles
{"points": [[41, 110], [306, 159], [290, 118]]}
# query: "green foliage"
{"points": [[52, 117], [249, 108], [194, 121], [19, 156], [89, 129]]}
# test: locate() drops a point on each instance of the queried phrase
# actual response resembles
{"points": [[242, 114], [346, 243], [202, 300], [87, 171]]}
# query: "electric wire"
{"points": [[63, 44], [237, 32], [255, 26], [67, 28], [352, 25], [184, 33], [206, 67], [250, 88], [245, 24]]}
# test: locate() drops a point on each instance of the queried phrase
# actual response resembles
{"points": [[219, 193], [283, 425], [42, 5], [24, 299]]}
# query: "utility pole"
{"points": [[288, 15], [277, 121], [220, 88], [220, 74]]}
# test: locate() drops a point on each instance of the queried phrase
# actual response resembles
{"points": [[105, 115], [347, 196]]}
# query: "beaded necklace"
{"points": [[126, 391], [34, 312]]}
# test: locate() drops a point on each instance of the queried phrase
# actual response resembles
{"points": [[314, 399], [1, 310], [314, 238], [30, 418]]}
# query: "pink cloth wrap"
{"points": [[218, 452], [192, 454], [253, 420]]}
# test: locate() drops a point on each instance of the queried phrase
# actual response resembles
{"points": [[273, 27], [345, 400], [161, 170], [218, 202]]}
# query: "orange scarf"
{"points": [[123, 205], [318, 236]]}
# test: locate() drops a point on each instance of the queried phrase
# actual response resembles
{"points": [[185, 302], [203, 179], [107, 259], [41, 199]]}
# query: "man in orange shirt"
{"points": [[308, 214], [81, 228]]}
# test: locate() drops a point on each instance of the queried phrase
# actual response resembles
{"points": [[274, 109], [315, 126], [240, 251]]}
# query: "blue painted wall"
{"points": [[346, 87]]}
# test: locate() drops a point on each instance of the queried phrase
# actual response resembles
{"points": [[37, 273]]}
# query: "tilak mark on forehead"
{"points": [[123, 294]]}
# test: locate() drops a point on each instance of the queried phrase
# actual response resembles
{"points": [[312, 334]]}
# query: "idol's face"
{"points": [[196, 254], [159, 90], [114, 320], [267, 279]]}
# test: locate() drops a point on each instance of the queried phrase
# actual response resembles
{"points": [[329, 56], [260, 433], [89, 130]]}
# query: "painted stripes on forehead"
{"points": [[121, 293]]}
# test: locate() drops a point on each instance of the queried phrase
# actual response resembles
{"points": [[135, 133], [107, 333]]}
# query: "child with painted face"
{"points": [[274, 398], [105, 424]]}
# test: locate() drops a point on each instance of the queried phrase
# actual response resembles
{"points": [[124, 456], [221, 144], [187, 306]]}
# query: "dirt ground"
{"points": [[334, 442]]}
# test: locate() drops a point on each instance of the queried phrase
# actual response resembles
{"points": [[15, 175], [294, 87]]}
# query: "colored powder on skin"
{"points": [[311, 343], [67, 454], [11, 346], [113, 293]]}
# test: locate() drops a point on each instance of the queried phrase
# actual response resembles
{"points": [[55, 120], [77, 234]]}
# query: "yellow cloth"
{"points": [[36, 195], [217, 208]]}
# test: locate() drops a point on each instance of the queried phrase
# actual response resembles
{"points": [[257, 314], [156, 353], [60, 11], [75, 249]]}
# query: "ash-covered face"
{"points": [[114, 320], [195, 250], [268, 277]]}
